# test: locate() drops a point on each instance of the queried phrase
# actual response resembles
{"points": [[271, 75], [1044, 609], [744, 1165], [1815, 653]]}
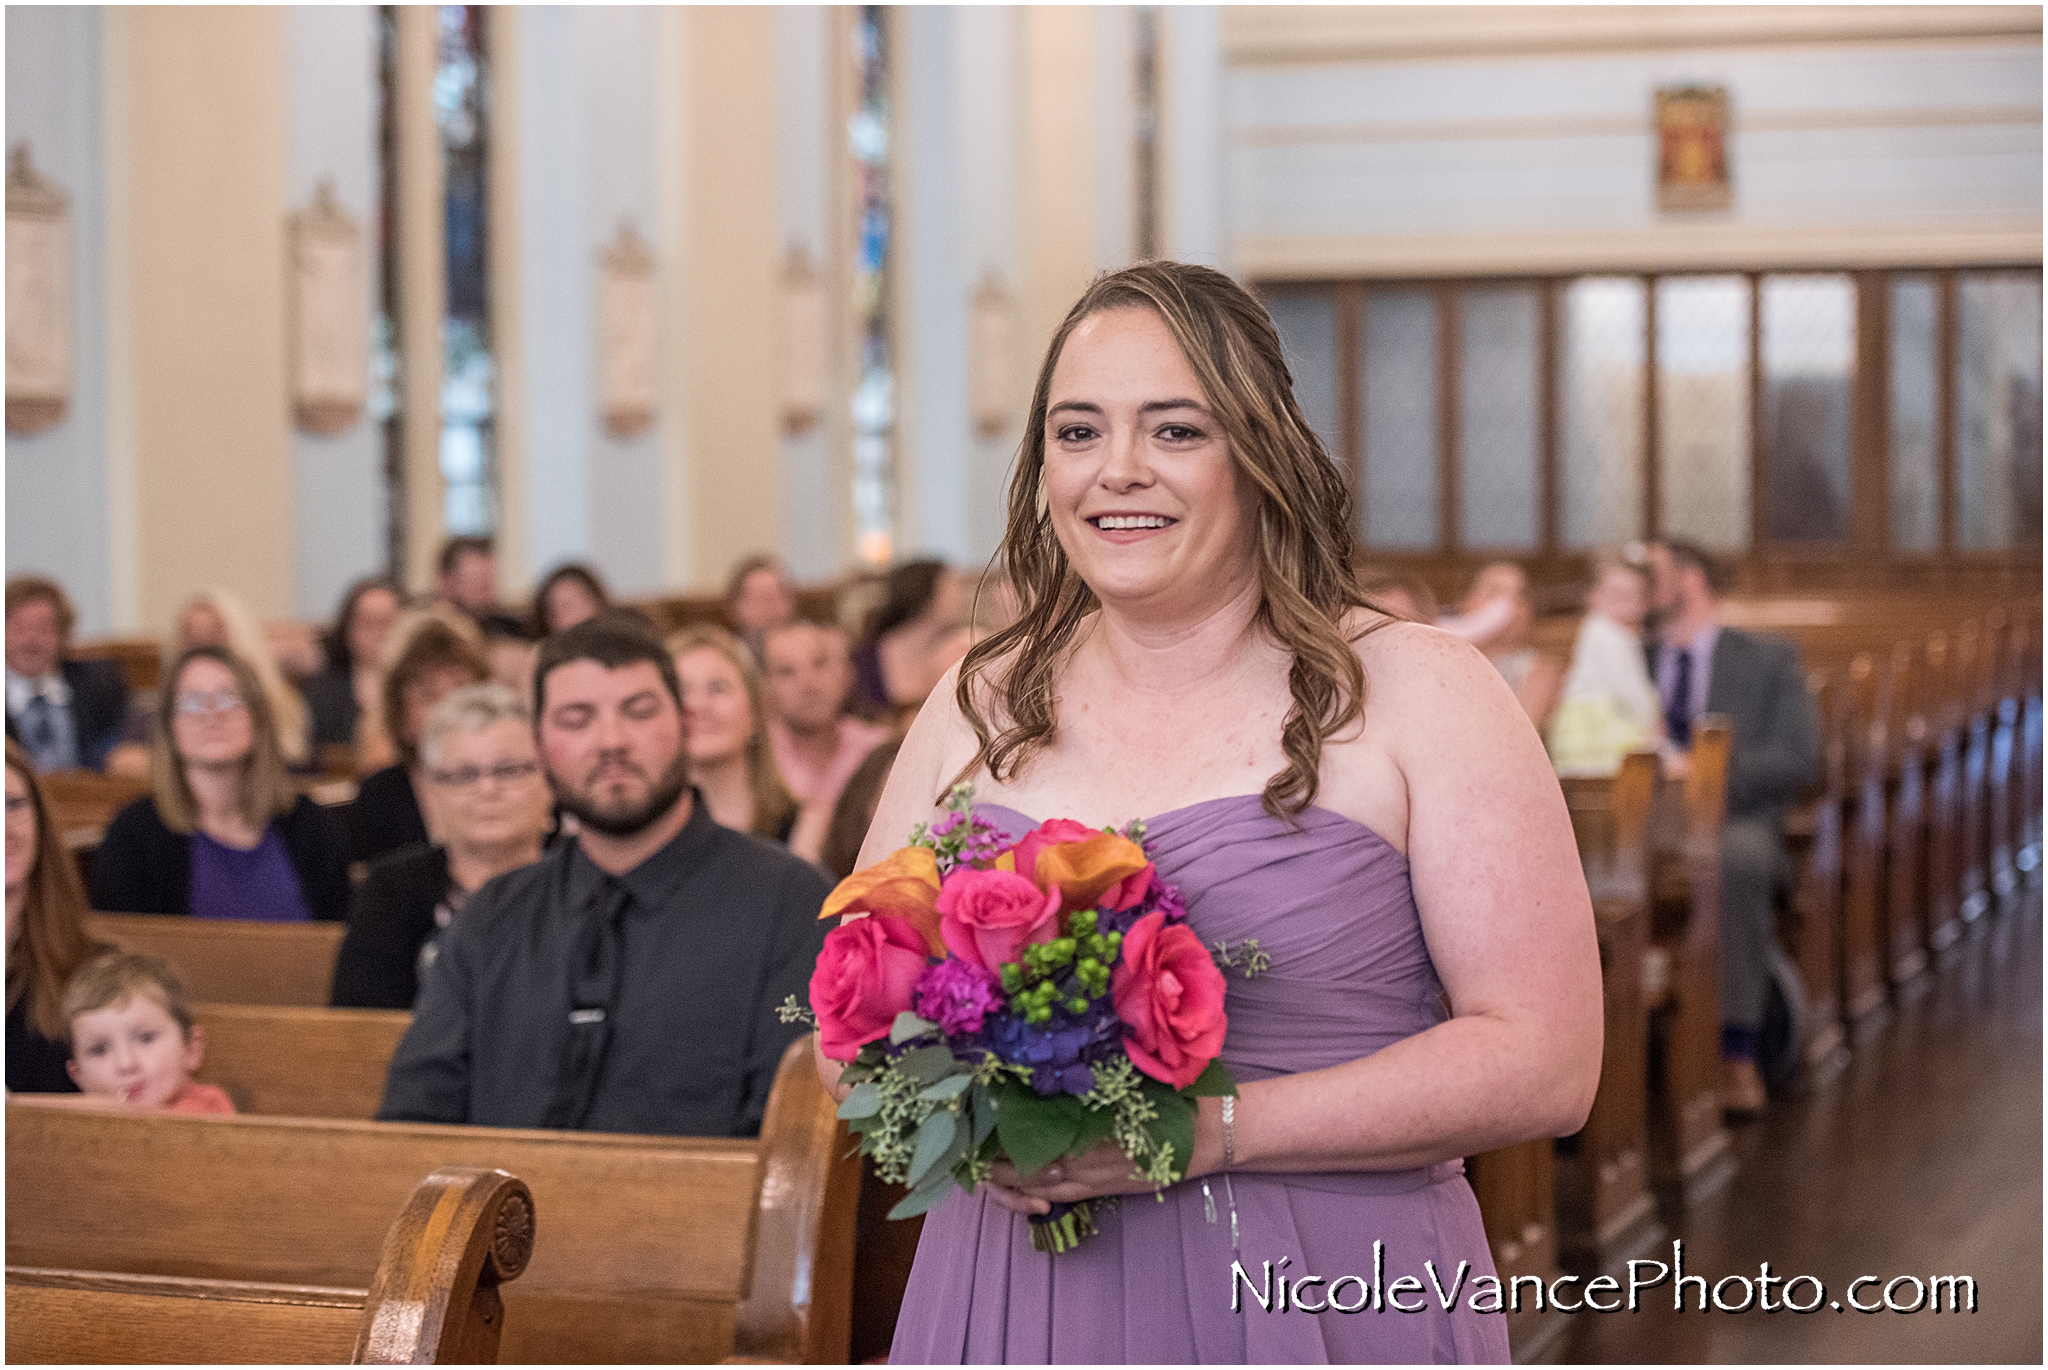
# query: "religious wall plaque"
{"points": [[38, 297], [330, 317], [803, 344], [1692, 148], [625, 335]]}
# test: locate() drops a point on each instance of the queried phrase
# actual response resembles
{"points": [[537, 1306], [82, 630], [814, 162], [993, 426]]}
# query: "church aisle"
{"points": [[1922, 1157]]}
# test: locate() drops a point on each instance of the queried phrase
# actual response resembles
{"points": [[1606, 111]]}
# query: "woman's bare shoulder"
{"points": [[1421, 681]]}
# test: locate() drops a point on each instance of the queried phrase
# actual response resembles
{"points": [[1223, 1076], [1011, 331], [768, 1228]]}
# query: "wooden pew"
{"points": [[431, 1298], [1605, 1210], [1688, 1144], [2004, 699], [1905, 838], [228, 961], [1972, 654], [1944, 788], [1848, 715], [1516, 1191], [659, 1248], [299, 1062], [2028, 857], [1813, 936]]}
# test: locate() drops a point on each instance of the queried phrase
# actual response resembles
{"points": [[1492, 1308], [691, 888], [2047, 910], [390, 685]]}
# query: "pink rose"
{"points": [[1170, 997], [988, 917], [863, 980], [1047, 834]]}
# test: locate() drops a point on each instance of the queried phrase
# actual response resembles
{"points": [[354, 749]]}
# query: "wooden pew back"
{"points": [[432, 1297], [227, 961], [300, 1062], [651, 1252]]}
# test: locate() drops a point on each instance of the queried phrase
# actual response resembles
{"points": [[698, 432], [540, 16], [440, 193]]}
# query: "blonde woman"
{"points": [[223, 832], [730, 760], [215, 618]]}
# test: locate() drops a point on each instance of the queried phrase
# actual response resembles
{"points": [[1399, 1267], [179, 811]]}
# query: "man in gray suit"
{"points": [[1758, 682]]}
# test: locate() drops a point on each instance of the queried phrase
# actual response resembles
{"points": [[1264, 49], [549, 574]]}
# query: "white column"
{"points": [[1191, 149]]}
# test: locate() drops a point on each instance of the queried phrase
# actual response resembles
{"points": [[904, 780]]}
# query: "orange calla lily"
{"points": [[903, 885], [1085, 870]]}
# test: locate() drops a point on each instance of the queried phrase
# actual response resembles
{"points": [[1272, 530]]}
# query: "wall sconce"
{"points": [[991, 384]]}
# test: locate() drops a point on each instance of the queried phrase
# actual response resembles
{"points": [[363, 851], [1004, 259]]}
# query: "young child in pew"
{"points": [[133, 1039]]}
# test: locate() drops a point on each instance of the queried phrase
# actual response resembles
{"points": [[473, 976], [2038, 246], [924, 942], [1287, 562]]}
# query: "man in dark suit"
{"points": [[1758, 682], [68, 714]]}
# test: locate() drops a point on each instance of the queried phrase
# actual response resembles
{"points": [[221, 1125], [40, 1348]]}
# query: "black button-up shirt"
{"points": [[721, 928]]}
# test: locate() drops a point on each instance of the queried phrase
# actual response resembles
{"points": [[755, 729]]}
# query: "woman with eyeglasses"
{"points": [[487, 805], [223, 833]]}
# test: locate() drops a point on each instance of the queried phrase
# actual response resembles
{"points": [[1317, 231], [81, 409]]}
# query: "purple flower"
{"points": [[957, 995], [1165, 898]]}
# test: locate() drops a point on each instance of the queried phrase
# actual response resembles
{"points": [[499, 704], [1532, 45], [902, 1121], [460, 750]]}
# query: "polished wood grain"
{"points": [[227, 961], [1813, 936], [300, 1062], [1847, 718]]}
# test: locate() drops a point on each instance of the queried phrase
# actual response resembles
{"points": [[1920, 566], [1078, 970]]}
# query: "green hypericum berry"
{"points": [[1012, 976], [1077, 1006], [1082, 923]]}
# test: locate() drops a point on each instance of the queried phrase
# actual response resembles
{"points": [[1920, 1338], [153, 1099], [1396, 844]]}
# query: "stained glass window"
{"points": [[1703, 408], [1399, 389], [1808, 356], [468, 407], [1998, 410], [874, 395], [1500, 416], [1600, 410], [1914, 398]]}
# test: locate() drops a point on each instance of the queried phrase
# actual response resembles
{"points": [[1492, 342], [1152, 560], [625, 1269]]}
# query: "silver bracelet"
{"points": [[1229, 1131]]}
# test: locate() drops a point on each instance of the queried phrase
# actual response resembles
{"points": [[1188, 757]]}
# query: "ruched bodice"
{"points": [[1346, 973], [1329, 903]]}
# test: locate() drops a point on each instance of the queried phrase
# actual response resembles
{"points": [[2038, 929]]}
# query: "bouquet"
{"points": [[1020, 1002]]}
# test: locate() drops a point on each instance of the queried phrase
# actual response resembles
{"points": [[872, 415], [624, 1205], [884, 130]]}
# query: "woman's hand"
{"points": [[829, 1071], [1103, 1169]]}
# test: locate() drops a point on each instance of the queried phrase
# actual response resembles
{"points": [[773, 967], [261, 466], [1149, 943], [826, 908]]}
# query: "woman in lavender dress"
{"points": [[1361, 796]]}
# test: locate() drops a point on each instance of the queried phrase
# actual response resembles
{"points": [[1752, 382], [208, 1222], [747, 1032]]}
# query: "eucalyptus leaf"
{"points": [[984, 1118], [934, 1140], [907, 1027], [949, 1088], [929, 1065], [919, 1199], [864, 1102], [1036, 1131]]}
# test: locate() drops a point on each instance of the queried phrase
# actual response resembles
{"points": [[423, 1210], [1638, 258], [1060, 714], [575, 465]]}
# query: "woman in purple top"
{"points": [[223, 833], [1360, 795]]}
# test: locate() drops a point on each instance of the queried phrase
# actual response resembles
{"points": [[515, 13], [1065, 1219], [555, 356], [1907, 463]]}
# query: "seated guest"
{"points": [[758, 597], [67, 714], [854, 814], [347, 688], [224, 834], [490, 810], [1500, 592], [133, 1041], [628, 981], [569, 595], [1774, 757], [816, 743], [215, 618], [913, 638], [467, 580], [1609, 706], [46, 937], [730, 761], [511, 658], [1402, 594], [431, 655]]}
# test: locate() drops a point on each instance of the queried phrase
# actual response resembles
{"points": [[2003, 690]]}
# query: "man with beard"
{"points": [[628, 981]]}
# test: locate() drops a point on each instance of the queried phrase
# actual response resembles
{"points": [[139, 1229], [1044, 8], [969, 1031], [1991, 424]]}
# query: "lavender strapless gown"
{"points": [[1331, 904]]}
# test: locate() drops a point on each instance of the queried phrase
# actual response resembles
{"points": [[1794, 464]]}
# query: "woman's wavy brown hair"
{"points": [[1304, 535], [773, 803], [53, 942], [267, 791]]}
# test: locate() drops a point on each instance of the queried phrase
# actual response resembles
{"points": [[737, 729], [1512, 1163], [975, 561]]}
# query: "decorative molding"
{"points": [[991, 360], [803, 343], [626, 334], [38, 297], [1667, 247], [1279, 34], [1740, 121], [330, 306]]}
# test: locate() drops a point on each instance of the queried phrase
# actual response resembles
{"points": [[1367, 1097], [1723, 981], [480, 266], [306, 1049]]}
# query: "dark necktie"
{"points": [[39, 731], [595, 963], [1678, 713]]}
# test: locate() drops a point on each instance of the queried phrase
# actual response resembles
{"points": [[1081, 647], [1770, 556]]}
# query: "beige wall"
{"points": [[1056, 211], [725, 432], [196, 246]]}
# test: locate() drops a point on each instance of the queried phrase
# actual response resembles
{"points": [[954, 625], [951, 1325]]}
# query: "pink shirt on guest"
{"points": [[198, 1098], [819, 786]]}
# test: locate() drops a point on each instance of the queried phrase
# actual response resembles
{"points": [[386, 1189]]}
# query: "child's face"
{"points": [[134, 1052]]}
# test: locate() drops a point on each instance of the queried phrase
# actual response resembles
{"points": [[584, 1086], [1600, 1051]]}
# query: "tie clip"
{"points": [[580, 1016]]}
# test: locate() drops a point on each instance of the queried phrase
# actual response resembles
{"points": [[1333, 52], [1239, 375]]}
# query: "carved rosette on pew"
{"points": [[625, 332], [38, 297], [330, 332]]}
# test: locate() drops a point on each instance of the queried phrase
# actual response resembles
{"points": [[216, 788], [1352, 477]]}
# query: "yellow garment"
{"points": [[1591, 734]]}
